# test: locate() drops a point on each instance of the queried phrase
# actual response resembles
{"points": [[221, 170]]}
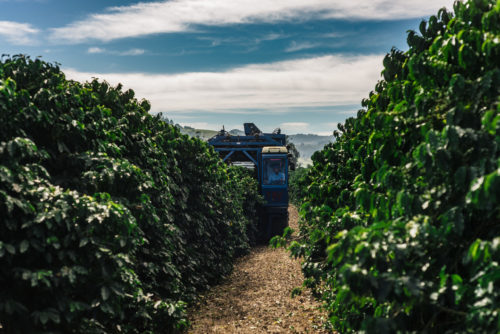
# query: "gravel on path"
{"points": [[256, 297]]}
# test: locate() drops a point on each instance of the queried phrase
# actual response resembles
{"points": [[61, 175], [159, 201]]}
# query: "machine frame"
{"points": [[252, 149]]}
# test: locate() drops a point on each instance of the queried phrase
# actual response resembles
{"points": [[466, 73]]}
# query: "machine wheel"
{"points": [[272, 223], [279, 224]]}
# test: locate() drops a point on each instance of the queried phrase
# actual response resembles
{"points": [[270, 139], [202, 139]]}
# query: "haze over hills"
{"points": [[306, 144]]}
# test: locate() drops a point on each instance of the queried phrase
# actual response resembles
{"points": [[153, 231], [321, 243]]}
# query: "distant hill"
{"points": [[200, 133], [206, 134], [306, 144]]}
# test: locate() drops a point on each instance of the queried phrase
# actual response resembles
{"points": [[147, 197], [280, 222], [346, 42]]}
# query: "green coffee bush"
{"points": [[110, 219], [401, 218]]}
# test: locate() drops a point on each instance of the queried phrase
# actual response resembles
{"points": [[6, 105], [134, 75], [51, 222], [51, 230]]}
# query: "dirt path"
{"points": [[256, 297]]}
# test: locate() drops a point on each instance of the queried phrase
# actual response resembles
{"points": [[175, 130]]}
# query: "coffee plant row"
{"points": [[400, 226], [110, 219], [297, 185]]}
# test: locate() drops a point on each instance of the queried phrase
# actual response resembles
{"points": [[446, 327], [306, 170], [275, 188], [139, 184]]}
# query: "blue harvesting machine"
{"points": [[267, 155]]}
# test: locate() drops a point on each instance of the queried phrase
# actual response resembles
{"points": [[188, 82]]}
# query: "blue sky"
{"points": [[302, 65]]}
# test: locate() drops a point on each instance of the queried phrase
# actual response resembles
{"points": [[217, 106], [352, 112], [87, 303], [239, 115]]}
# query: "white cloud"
{"points": [[131, 52], [332, 125], [211, 126], [199, 125], [181, 15], [295, 127], [241, 40], [311, 82], [334, 35], [270, 37], [96, 50], [322, 129], [18, 33], [325, 133], [294, 46]]}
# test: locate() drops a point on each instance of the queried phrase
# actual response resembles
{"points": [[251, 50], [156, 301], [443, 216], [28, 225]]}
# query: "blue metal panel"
{"points": [[260, 140], [243, 143], [275, 195], [220, 149]]}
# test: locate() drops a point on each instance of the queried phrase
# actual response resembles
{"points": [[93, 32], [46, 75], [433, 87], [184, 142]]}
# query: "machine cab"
{"points": [[274, 175]]}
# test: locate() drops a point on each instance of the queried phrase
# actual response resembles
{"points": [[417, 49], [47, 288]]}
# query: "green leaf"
{"points": [[474, 250], [55, 317], [43, 317], [104, 293], [443, 277], [456, 279], [11, 249], [83, 242], [23, 246]]}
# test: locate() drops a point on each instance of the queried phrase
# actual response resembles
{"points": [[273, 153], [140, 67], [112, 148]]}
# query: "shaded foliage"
{"points": [[297, 185], [110, 219], [293, 154], [401, 216]]}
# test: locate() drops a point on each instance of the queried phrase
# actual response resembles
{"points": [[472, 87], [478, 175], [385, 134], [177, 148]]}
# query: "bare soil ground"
{"points": [[256, 297]]}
